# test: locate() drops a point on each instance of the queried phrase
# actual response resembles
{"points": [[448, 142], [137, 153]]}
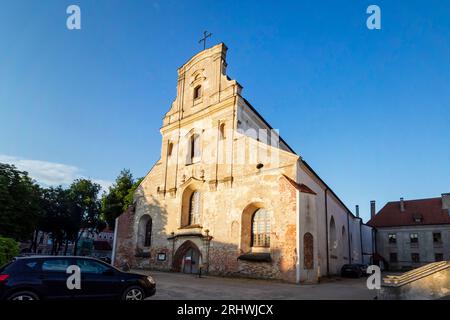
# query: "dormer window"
{"points": [[417, 218], [197, 92]]}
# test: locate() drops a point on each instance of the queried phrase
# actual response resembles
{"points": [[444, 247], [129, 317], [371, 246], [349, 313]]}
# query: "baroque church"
{"points": [[228, 196]]}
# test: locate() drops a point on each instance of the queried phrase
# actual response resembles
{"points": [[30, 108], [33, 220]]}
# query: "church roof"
{"points": [[300, 186], [416, 212]]}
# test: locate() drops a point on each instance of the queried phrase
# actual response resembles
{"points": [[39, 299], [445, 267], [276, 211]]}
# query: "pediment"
{"points": [[191, 180]]}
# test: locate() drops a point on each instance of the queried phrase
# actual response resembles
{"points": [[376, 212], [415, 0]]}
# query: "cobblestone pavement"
{"points": [[189, 287]]}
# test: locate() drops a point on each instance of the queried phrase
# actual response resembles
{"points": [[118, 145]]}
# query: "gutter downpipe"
{"points": [[326, 231], [297, 225], [361, 238], [348, 239], [113, 254]]}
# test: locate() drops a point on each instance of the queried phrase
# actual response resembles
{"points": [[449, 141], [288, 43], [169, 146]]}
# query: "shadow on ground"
{"points": [[180, 286]]}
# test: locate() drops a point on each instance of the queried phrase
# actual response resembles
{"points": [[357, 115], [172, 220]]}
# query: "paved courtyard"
{"points": [[180, 286]]}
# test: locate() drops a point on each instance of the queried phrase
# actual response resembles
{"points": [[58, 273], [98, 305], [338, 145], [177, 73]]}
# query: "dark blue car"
{"points": [[46, 277]]}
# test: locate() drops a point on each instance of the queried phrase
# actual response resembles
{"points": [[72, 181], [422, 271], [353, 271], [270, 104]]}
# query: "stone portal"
{"points": [[187, 258]]}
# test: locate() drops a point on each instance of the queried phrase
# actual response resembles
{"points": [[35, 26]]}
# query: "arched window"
{"points": [[145, 231], [197, 92], [148, 233], [222, 131], [194, 208], [333, 240], [261, 228], [308, 251], [169, 149], [194, 148]]}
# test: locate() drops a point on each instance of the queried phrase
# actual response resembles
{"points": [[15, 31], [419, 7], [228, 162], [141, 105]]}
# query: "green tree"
{"points": [[128, 200], [9, 248], [84, 208], [56, 218], [114, 203], [20, 205]]}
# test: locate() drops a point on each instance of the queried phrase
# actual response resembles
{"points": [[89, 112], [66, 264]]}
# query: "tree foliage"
{"points": [[85, 213], [119, 197], [128, 200], [9, 248], [62, 213], [20, 203]]}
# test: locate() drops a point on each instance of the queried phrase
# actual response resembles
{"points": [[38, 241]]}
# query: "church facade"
{"points": [[228, 196]]}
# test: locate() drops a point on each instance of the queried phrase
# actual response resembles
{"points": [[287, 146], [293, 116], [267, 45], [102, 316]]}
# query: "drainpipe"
{"points": [[374, 242], [348, 238], [297, 226], [326, 232], [361, 238], [113, 254]]}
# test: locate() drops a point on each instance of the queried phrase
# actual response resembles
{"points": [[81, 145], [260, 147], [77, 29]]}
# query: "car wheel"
{"points": [[134, 293], [23, 296]]}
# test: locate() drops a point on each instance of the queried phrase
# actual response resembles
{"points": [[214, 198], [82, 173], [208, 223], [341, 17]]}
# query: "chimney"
{"points": [[446, 202], [372, 209], [402, 205], [357, 211]]}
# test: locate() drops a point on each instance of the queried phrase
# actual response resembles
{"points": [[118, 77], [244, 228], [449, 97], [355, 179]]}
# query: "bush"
{"points": [[9, 248]]}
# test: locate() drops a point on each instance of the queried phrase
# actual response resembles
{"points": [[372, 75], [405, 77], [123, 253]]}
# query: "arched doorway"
{"points": [[187, 258]]}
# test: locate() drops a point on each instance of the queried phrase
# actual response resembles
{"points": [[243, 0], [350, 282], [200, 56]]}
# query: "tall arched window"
{"points": [[169, 149], [308, 251], [194, 208], [333, 240], [194, 148], [197, 92], [148, 233], [222, 131], [145, 231], [261, 228]]}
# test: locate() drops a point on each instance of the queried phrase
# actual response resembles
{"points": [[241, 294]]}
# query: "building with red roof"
{"points": [[411, 233]]}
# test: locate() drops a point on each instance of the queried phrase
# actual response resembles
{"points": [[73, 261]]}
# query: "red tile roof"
{"points": [[300, 187], [429, 211]]}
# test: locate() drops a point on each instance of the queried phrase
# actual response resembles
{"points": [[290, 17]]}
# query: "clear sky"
{"points": [[368, 110]]}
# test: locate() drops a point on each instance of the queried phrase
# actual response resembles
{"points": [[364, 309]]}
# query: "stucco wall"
{"points": [[425, 247], [235, 170]]}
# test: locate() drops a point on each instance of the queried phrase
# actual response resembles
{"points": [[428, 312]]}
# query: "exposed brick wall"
{"points": [[125, 247]]}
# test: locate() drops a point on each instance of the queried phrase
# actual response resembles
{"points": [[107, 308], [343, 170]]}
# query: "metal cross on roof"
{"points": [[205, 36]]}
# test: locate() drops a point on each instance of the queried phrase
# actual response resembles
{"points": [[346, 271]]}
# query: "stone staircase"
{"points": [[431, 281]]}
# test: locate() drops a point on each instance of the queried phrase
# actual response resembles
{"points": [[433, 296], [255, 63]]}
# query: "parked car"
{"points": [[106, 259], [363, 269], [351, 271], [45, 277]]}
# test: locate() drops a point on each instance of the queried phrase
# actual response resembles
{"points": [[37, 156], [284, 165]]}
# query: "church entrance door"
{"points": [[187, 258], [191, 261]]}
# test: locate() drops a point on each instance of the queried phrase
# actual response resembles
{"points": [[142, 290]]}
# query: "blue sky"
{"points": [[368, 110]]}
